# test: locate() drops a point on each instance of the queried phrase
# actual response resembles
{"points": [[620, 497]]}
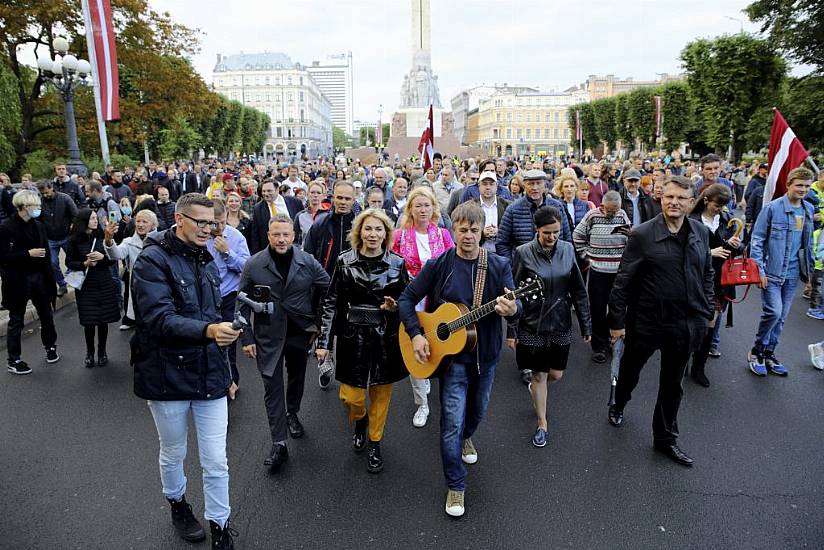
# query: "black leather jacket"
{"points": [[563, 288], [366, 355]]}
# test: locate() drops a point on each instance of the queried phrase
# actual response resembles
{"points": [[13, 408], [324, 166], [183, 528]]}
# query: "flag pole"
{"points": [[816, 169], [101, 124]]}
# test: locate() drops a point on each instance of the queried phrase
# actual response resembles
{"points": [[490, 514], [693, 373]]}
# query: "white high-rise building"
{"points": [[272, 83], [335, 80]]}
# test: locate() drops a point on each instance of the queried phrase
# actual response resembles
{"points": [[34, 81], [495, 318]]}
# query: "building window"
{"points": [[557, 133], [289, 96], [557, 116], [546, 133], [566, 133], [509, 116], [301, 116], [529, 133], [289, 80], [279, 131], [301, 81], [529, 117], [300, 96], [497, 117], [518, 116], [519, 133], [495, 133], [546, 117], [509, 133]]}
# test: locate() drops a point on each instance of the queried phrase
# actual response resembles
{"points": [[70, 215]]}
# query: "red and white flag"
{"points": [[579, 132], [426, 146], [657, 100], [786, 153], [103, 56]]}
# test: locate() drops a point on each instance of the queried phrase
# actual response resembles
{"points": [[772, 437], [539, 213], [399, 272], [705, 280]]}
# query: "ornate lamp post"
{"points": [[65, 72]]}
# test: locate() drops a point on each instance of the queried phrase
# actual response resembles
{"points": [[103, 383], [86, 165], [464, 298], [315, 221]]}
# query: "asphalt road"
{"points": [[78, 462]]}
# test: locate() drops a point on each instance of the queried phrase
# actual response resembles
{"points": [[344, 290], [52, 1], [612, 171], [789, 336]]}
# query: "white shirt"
{"points": [[424, 253], [712, 224], [571, 209], [297, 184], [490, 213], [280, 204]]}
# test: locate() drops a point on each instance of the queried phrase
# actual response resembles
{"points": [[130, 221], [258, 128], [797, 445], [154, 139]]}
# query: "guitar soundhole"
{"points": [[443, 332]]}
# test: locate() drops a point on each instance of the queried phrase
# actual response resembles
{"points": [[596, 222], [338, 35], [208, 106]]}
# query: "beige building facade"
{"points": [[600, 87], [516, 123]]}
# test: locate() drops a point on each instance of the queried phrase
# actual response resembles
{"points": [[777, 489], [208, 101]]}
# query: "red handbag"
{"points": [[740, 271]]}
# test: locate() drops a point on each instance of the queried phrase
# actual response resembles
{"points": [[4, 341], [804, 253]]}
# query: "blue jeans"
{"points": [[716, 331], [776, 300], [54, 252], [211, 419], [464, 400]]}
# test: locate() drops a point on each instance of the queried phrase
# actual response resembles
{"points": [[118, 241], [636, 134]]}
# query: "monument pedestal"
{"points": [[408, 125]]}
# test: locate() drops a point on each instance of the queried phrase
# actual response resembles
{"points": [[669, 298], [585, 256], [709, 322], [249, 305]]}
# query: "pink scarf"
{"points": [[406, 245]]}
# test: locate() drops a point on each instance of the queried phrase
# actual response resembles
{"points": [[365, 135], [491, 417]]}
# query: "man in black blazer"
{"points": [[272, 203]]}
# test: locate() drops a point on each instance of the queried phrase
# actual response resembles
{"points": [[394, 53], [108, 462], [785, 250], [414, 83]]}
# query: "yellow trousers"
{"points": [[379, 397]]}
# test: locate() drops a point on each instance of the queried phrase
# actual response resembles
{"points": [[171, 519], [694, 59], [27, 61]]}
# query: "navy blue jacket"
{"points": [[430, 283], [517, 227], [176, 293]]}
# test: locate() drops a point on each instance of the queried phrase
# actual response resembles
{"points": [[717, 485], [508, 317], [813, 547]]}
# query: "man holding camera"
{"points": [[179, 365], [293, 281]]}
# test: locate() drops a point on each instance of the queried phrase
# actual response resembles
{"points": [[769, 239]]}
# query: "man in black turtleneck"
{"points": [[329, 235], [296, 283]]}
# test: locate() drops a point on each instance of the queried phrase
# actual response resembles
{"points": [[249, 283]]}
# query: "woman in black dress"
{"points": [[97, 299]]}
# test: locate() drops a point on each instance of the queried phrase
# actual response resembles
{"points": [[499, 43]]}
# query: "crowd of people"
{"points": [[330, 258]]}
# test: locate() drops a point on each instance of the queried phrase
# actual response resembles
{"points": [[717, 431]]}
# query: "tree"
{"points": [[796, 28], [367, 134], [677, 113], [623, 130], [642, 115], [178, 140], [604, 113], [340, 139], [733, 79], [588, 129], [801, 104], [156, 83], [9, 119]]}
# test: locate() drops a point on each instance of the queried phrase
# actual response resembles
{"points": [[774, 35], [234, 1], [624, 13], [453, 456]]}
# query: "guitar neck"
{"points": [[477, 314]]}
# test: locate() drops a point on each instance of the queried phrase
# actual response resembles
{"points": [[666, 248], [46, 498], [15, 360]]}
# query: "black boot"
{"points": [[89, 359], [699, 360], [102, 359], [374, 461], [222, 539], [185, 522], [359, 437], [277, 458]]}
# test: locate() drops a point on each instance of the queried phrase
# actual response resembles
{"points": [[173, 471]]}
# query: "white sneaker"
{"points": [[817, 355], [468, 453], [455, 503], [421, 416]]}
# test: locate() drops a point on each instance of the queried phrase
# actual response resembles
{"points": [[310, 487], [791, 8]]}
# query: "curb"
{"points": [[31, 314]]}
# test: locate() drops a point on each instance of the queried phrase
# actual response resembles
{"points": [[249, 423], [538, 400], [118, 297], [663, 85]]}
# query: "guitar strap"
{"points": [[480, 279]]}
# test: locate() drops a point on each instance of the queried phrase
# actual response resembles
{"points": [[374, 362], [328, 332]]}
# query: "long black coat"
{"points": [[295, 299], [365, 355], [97, 301], [16, 266]]}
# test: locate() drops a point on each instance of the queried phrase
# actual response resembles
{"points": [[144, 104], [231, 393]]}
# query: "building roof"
{"points": [[253, 61]]}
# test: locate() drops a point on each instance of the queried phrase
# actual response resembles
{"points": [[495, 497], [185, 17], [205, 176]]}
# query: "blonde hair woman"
{"points": [[417, 240], [566, 189], [368, 278]]}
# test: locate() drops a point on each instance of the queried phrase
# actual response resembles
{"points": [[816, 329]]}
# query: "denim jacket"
{"points": [[772, 240]]}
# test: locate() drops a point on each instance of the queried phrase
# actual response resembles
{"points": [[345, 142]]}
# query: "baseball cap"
{"points": [[632, 174], [763, 165], [488, 175], [357, 184]]}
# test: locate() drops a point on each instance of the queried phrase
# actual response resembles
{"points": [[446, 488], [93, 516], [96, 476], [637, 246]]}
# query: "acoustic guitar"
{"points": [[450, 330]]}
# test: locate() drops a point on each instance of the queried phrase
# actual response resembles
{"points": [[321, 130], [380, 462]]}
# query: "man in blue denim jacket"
{"points": [[782, 246]]}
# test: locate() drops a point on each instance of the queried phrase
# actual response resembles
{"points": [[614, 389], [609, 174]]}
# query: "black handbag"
{"points": [[365, 316]]}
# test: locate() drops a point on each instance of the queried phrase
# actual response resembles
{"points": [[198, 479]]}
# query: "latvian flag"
{"points": [[786, 153], [426, 146], [103, 55]]}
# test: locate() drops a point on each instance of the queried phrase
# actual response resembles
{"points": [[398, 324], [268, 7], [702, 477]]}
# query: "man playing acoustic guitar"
{"points": [[465, 386]]}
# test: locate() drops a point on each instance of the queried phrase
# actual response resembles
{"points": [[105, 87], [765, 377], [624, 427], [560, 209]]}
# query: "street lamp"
{"points": [[740, 22], [65, 72]]}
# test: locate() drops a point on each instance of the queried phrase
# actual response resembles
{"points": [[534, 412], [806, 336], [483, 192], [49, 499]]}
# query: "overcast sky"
{"points": [[543, 43]]}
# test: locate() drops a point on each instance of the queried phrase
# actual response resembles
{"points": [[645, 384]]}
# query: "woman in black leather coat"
{"points": [[361, 309], [544, 330]]}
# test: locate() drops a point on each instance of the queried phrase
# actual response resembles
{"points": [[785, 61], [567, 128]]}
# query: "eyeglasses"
{"points": [[201, 224]]}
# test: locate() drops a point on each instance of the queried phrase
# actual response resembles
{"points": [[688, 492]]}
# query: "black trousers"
{"points": [[35, 289], [675, 350], [598, 288], [227, 313], [294, 358]]}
